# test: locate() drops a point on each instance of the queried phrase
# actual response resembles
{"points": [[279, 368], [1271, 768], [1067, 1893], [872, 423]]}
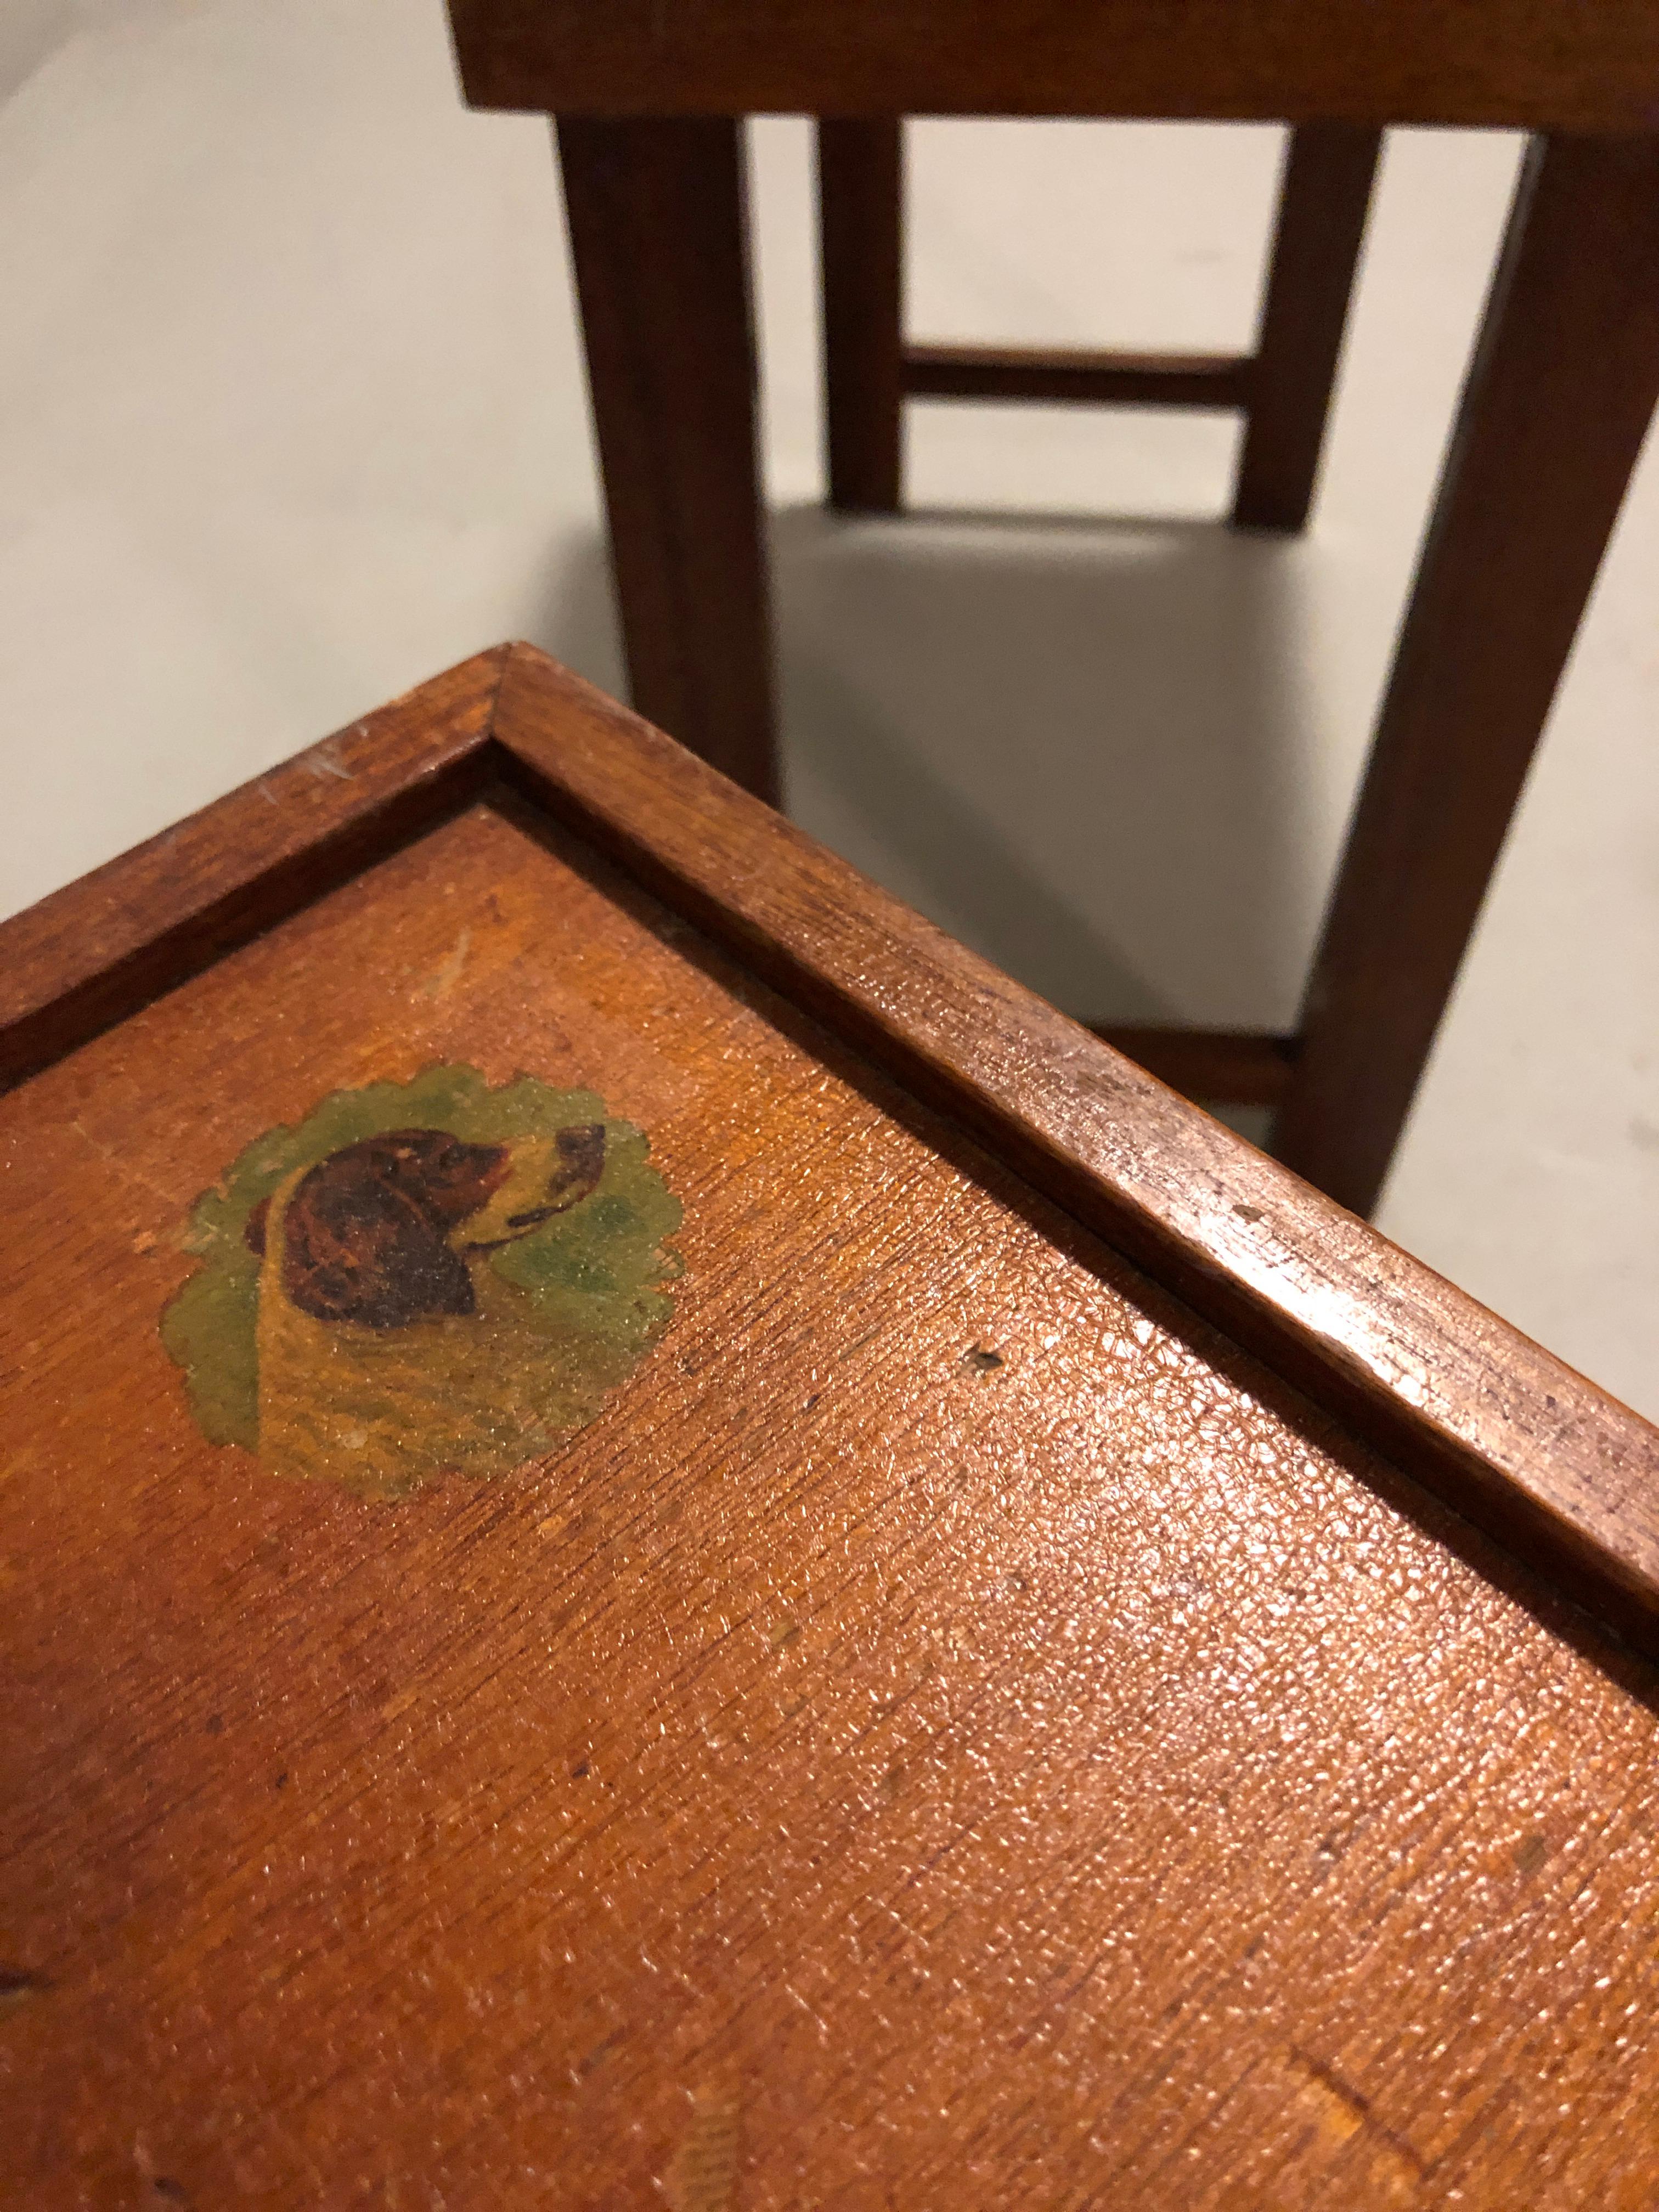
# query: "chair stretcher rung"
{"points": [[1109, 380], [1234, 1067]]}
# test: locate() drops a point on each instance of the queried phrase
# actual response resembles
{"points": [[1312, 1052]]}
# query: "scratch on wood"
{"points": [[705, 2173], [320, 761], [122, 1164], [448, 973], [1343, 2111]]}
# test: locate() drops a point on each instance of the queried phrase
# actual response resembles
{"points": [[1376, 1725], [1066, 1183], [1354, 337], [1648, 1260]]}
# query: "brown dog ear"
{"points": [[447, 1177], [358, 1247]]}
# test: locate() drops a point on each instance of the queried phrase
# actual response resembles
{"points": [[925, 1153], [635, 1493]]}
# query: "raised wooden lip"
{"points": [[1555, 1469]]}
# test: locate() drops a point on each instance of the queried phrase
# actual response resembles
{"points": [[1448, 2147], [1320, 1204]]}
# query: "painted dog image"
{"points": [[388, 1346]]}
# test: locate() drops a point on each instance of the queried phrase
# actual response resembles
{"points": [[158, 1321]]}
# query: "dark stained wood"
{"points": [[1530, 1452], [1329, 169], [657, 219], [1525, 64], [860, 224], [93, 953], [1087, 376], [1235, 1067], [1560, 395], [953, 1729]]}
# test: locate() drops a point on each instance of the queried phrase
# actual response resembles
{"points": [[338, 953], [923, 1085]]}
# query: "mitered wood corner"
{"points": [[90, 954], [1533, 1453], [1527, 1449], [611, 1597]]}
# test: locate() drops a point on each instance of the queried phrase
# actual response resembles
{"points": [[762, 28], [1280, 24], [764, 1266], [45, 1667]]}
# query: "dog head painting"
{"points": [[383, 1230], [449, 1293]]}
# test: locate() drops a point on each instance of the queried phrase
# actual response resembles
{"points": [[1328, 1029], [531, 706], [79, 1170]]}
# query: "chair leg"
{"points": [[1322, 203], [1560, 389], [656, 212], [861, 216]]}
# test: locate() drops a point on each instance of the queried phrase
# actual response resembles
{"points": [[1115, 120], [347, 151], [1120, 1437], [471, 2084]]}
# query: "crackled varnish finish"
{"points": [[953, 1730]]}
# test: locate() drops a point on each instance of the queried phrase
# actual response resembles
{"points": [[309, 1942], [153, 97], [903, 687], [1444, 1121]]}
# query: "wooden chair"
{"points": [[1562, 382]]}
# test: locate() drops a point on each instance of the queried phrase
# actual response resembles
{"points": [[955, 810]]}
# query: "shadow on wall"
{"points": [[578, 623], [1079, 747]]}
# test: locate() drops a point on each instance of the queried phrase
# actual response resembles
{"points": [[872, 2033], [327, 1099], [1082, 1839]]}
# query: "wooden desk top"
{"points": [[916, 1716]]}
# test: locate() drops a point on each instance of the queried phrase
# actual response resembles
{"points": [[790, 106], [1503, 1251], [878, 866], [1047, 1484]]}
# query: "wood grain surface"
{"points": [[1538, 1456], [953, 1732], [1534, 1453], [1527, 64]]}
